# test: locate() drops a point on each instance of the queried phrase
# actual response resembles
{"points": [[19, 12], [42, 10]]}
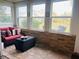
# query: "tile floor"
{"points": [[34, 53]]}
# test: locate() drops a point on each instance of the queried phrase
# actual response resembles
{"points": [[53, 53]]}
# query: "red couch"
{"points": [[8, 38]]}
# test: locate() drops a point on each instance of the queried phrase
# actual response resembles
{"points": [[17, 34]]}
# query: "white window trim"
{"points": [[61, 17]]}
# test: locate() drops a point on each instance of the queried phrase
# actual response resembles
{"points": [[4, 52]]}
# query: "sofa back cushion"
{"points": [[3, 33], [9, 31], [4, 29]]}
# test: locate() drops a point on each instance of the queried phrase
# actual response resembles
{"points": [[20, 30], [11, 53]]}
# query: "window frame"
{"points": [[9, 6], [53, 17], [18, 17], [37, 17]]}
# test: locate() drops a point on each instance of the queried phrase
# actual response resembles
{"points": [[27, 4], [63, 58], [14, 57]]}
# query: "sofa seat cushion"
{"points": [[12, 37]]}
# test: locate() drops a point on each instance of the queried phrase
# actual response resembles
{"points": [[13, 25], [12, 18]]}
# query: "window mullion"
{"points": [[47, 15], [13, 10], [29, 6]]}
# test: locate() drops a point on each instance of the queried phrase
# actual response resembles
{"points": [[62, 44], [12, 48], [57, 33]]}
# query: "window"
{"points": [[61, 16], [22, 16], [38, 10], [5, 16], [38, 16], [62, 8]]}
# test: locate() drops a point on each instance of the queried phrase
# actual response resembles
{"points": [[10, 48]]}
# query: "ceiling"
{"points": [[14, 0], [25, 0]]}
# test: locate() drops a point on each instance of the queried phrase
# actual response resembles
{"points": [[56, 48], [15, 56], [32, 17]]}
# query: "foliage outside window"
{"points": [[61, 16], [37, 24]]}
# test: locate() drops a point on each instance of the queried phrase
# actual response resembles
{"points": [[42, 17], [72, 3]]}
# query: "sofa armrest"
{"points": [[3, 38]]}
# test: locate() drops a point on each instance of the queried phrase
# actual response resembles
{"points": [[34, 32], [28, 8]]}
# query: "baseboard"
{"points": [[75, 55]]}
